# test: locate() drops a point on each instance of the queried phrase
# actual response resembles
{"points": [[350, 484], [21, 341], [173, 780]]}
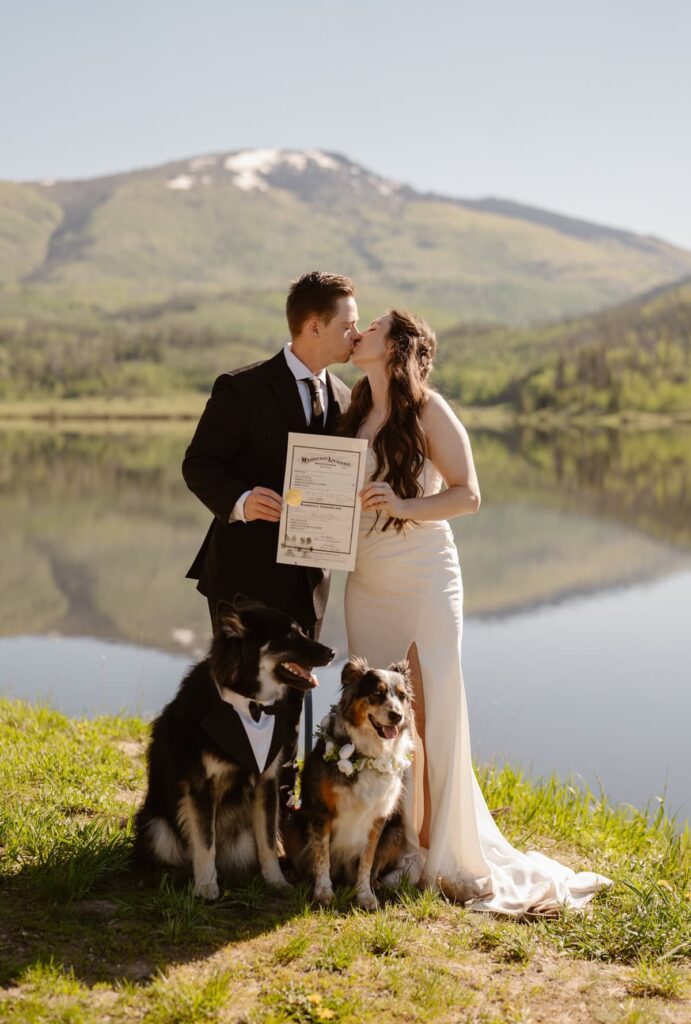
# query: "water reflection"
{"points": [[99, 529]]}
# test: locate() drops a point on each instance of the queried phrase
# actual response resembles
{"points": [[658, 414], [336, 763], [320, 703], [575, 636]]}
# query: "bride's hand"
{"points": [[379, 497]]}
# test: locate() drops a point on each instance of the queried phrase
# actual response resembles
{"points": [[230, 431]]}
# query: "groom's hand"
{"points": [[263, 503]]}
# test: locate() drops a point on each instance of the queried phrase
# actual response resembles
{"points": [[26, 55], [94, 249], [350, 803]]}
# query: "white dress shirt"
{"points": [[258, 733], [302, 374]]}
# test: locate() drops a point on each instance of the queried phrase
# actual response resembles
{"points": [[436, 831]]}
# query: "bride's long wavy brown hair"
{"points": [[399, 445]]}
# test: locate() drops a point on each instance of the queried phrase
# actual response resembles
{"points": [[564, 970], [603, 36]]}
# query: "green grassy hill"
{"points": [[216, 235], [636, 356], [151, 281]]}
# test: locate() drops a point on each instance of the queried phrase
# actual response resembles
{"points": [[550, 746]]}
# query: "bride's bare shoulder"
{"points": [[439, 414], [448, 443]]}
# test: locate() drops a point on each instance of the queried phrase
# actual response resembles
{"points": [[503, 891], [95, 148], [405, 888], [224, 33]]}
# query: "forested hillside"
{"points": [[636, 356]]}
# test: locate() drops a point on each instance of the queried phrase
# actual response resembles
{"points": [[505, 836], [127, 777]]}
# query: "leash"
{"points": [[313, 633], [309, 722]]}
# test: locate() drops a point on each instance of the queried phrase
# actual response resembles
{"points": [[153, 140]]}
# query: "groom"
{"points": [[235, 463]]}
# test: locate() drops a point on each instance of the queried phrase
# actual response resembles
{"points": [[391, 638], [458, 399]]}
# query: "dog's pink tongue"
{"points": [[300, 671], [390, 731]]}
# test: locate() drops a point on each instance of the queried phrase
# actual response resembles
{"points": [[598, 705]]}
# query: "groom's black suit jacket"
{"points": [[240, 443]]}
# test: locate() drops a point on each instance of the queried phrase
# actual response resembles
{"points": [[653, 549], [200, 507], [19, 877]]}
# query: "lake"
{"points": [[577, 575]]}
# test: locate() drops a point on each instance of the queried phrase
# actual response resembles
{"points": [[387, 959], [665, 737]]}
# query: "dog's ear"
{"points": [[230, 619], [353, 671], [402, 667]]}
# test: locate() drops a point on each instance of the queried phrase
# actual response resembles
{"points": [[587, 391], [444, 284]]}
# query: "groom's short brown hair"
{"points": [[315, 294]]}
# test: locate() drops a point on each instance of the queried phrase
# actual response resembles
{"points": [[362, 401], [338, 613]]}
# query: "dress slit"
{"points": [[421, 809]]}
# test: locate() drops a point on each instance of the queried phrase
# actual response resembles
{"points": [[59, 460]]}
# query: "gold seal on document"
{"points": [[294, 497]]}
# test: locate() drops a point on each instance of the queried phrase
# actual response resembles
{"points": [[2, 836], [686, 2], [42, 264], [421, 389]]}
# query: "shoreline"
{"points": [[573, 782], [186, 407]]}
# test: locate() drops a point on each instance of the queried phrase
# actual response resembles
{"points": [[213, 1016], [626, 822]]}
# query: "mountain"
{"points": [[634, 356], [212, 241], [148, 281]]}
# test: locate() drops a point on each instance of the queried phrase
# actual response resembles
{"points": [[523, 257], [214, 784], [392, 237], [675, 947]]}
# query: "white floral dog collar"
{"points": [[349, 761]]}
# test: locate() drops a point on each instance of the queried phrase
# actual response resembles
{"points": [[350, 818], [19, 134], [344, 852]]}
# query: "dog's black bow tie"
{"points": [[256, 709]]}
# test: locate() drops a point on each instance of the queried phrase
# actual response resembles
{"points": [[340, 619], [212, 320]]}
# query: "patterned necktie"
{"points": [[317, 420]]}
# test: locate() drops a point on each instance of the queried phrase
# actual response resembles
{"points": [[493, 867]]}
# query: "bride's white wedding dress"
{"points": [[406, 588]]}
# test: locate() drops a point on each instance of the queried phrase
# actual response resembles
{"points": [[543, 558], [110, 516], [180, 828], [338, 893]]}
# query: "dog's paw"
{"points": [[207, 890], [323, 894], [393, 879], [367, 900], [409, 868]]}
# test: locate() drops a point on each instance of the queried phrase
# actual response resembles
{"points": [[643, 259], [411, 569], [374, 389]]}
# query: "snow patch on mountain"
{"points": [[182, 183], [259, 170], [323, 160], [251, 165]]}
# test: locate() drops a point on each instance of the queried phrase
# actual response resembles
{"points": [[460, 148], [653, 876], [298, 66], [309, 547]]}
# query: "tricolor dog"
{"points": [[349, 825], [217, 748]]}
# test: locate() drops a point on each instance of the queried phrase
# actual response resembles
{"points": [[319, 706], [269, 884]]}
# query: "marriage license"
{"points": [[321, 509]]}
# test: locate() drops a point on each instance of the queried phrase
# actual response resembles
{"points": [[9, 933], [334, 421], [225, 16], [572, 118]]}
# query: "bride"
{"points": [[406, 596]]}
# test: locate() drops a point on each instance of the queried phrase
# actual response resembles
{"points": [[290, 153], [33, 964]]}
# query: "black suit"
{"points": [[241, 442]]}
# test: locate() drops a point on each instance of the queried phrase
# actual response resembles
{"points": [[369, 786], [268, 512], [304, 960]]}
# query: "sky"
{"points": [[583, 108]]}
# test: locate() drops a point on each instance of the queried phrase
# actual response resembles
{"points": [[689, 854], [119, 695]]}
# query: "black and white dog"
{"points": [[217, 749], [349, 825]]}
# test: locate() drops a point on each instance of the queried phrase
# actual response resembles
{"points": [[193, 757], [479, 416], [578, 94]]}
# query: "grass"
{"points": [[188, 1002], [86, 938], [656, 979]]}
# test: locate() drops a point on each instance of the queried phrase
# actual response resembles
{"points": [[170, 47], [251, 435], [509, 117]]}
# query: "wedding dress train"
{"points": [[407, 588]]}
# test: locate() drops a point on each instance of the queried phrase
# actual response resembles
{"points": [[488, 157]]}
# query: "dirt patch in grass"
{"points": [[133, 748]]}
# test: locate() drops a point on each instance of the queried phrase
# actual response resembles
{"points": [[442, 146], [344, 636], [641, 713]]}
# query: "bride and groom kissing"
{"points": [[405, 595]]}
